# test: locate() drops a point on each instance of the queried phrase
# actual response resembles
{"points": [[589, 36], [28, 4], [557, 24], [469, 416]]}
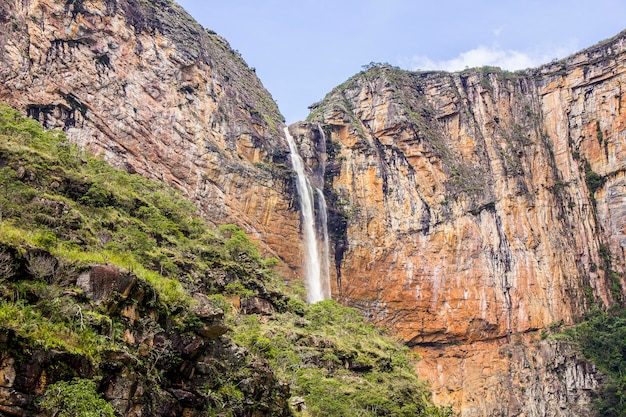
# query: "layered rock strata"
{"points": [[468, 211], [145, 86], [478, 207]]}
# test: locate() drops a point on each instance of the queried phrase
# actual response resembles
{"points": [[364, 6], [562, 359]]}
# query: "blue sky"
{"points": [[301, 49]]}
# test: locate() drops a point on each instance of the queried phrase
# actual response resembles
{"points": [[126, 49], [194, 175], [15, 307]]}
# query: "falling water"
{"points": [[325, 265], [312, 266]]}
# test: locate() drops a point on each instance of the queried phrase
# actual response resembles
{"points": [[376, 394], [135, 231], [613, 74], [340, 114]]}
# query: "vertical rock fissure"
{"points": [[324, 243], [337, 216]]}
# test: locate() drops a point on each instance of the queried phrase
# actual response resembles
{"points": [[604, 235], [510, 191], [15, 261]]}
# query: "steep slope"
{"points": [[473, 209], [470, 212], [116, 298], [143, 84]]}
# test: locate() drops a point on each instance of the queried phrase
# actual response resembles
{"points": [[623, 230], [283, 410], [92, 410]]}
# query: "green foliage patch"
{"points": [[602, 338], [77, 398], [594, 180], [29, 322], [338, 363]]}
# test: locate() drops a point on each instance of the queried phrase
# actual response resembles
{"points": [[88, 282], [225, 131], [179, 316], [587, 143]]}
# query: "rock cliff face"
{"points": [[526, 378], [143, 84], [468, 211], [476, 208]]}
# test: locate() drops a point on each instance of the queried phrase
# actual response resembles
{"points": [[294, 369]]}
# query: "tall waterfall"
{"points": [[316, 271]]}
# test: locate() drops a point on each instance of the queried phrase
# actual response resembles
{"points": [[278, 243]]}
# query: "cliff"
{"points": [[470, 212], [145, 86], [117, 299], [474, 209]]}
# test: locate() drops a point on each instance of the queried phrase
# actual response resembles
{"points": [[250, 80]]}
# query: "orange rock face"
{"points": [[148, 88], [468, 211], [492, 378], [480, 207]]}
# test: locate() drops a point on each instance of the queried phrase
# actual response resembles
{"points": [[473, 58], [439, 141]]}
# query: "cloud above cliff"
{"points": [[493, 56]]}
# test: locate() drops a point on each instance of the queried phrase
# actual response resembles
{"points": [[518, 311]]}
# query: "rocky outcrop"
{"points": [[476, 208], [153, 362], [526, 378], [145, 86], [102, 281]]}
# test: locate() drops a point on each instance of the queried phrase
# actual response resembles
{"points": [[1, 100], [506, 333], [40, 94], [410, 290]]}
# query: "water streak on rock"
{"points": [[324, 243]]}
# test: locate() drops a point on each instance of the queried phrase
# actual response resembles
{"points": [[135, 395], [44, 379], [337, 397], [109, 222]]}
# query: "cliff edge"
{"points": [[474, 210]]}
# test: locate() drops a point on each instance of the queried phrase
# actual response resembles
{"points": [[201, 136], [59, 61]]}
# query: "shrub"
{"points": [[77, 398], [7, 267], [237, 243], [41, 266], [602, 338], [594, 180]]}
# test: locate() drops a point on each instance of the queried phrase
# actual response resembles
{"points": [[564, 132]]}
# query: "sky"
{"points": [[301, 49]]}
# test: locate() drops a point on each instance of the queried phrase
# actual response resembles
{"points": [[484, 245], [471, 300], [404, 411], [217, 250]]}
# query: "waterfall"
{"points": [[325, 265], [316, 271]]}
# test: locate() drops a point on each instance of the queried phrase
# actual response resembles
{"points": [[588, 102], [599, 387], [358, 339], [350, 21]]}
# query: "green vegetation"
{"points": [[32, 323], [65, 212], [338, 363], [77, 398], [599, 133], [616, 285], [602, 337], [593, 179]]}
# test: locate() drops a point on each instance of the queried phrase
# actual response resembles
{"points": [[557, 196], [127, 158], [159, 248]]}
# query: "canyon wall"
{"points": [[474, 209], [468, 211], [145, 86]]}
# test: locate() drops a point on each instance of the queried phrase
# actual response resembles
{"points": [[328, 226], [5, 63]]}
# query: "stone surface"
{"points": [[468, 215], [468, 211], [204, 309], [256, 305], [102, 281], [492, 378], [149, 89]]}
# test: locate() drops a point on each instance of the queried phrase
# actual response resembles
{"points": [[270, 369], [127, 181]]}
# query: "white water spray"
{"points": [[313, 277]]}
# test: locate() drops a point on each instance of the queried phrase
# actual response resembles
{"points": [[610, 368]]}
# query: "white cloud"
{"points": [[494, 56]]}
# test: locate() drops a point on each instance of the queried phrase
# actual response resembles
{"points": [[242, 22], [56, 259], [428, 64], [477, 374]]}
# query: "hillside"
{"points": [[114, 289]]}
